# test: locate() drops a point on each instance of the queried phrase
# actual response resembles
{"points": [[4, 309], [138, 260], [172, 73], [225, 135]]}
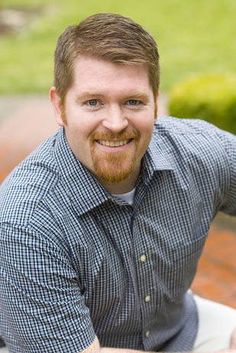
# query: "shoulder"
{"points": [[194, 135], [178, 126], [30, 183], [197, 144]]}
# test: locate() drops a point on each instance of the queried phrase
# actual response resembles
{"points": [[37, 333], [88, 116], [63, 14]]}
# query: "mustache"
{"points": [[129, 133]]}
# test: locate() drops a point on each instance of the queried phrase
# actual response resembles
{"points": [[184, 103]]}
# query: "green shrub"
{"points": [[209, 97]]}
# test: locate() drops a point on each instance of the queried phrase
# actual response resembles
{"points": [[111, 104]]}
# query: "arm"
{"points": [[233, 340], [95, 348], [42, 309], [228, 169]]}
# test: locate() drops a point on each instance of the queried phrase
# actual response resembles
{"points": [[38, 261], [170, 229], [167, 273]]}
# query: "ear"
{"points": [[56, 103]]}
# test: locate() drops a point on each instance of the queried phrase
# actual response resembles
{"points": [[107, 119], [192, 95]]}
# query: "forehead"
{"points": [[93, 73]]}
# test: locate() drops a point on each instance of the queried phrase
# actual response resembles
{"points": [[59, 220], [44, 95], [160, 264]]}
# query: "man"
{"points": [[102, 226]]}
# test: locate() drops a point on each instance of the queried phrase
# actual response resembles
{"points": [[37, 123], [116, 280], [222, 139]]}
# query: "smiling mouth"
{"points": [[108, 143]]}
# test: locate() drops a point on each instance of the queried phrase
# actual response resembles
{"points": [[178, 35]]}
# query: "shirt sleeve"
{"points": [[42, 306], [228, 141]]}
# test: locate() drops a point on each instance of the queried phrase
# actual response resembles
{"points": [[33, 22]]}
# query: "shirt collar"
{"points": [[83, 188], [159, 156]]}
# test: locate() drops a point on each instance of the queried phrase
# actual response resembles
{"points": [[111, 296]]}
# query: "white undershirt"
{"points": [[127, 197]]}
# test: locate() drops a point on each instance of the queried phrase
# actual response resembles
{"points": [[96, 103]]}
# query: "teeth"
{"points": [[113, 143]]}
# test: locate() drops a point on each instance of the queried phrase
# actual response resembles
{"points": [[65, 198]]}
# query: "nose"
{"points": [[115, 119]]}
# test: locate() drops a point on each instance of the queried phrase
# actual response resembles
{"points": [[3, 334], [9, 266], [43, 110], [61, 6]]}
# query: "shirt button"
{"points": [[147, 298], [143, 258], [147, 334]]}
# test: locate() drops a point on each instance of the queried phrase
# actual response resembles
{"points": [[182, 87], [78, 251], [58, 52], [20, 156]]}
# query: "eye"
{"points": [[134, 102], [92, 103]]}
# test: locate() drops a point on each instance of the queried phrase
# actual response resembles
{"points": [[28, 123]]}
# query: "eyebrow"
{"points": [[89, 95], [138, 95]]}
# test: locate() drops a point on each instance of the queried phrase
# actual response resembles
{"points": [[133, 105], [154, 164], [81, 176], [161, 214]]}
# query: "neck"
{"points": [[123, 186]]}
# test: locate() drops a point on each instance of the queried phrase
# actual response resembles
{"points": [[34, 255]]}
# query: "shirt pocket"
{"points": [[175, 268]]}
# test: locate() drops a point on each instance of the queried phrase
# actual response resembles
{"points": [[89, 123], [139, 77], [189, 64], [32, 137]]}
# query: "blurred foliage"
{"points": [[193, 37], [209, 97]]}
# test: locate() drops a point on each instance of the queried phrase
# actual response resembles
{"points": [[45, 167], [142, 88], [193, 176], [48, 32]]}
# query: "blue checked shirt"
{"points": [[76, 262]]}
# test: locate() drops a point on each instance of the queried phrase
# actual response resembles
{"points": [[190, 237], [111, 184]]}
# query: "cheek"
{"points": [[80, 129], [146, 126]]}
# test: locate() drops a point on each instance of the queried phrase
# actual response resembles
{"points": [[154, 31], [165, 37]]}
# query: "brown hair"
{"points": [[108, 36]]}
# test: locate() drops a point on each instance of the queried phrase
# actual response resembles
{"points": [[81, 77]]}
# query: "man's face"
{"points": [[108, 116]]}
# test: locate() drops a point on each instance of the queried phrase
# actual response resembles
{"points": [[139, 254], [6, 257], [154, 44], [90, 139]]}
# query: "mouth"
{"points": [[113, 143]]}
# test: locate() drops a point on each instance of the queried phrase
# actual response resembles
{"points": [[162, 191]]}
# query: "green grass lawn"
{"points": [[194, 36]]}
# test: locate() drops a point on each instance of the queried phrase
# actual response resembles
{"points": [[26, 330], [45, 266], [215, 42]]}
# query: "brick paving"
{"points": [[216, 276], [26, 121]]}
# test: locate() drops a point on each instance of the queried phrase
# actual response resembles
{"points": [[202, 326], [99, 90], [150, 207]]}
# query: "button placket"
{"points": [[147, 298], [143, 258], [144, 276]]}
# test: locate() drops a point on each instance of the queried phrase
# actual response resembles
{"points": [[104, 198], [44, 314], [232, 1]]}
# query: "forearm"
{"points": [[232, 348], [125, 350], [96, 348], [120, 350], [233, 340]]}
